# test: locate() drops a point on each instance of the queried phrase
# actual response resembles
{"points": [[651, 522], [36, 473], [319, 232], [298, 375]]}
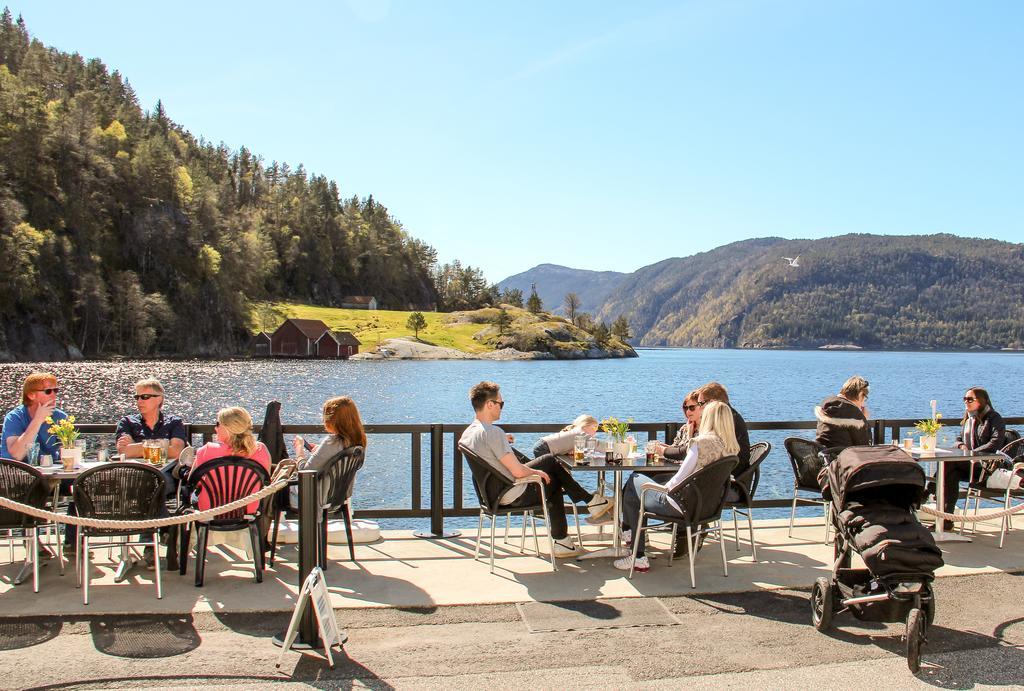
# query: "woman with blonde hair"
{"points": [[715, 439], [233, 437], [561, 443]]}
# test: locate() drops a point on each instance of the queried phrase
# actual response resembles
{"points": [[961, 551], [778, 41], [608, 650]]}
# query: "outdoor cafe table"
{"points": [[940, 457], [635, 463]]}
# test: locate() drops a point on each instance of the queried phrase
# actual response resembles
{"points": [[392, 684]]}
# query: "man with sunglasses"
{"points": [[150, 423], [489, 442], [26, 425]]}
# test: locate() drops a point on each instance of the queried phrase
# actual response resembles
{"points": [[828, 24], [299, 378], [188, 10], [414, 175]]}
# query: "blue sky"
{"points": [[600, 135]]}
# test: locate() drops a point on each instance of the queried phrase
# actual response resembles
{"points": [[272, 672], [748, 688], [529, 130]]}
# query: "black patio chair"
{"points": [[126, 491], [979, 492], [701, 497], [491, 486], [742, 490], [223, 481], [24, 484], [336, 484], [806, 459]]}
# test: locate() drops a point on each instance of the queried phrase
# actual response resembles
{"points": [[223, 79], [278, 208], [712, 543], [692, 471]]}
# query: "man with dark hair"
{"points": [[713, 391], [489, 442]]}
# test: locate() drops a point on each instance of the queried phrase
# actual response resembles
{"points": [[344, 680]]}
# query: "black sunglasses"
{"points": [[969, 399], [702, 403], [49, 391], [146, 396], [501, 404], [691, 408]]}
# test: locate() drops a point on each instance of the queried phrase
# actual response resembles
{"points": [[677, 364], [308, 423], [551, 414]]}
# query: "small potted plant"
{"points": [[66, 434], [929, 430], [617, 430]]}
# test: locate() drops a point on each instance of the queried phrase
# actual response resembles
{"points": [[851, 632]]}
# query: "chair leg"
{"points": [[792, 513], [184, 534], [522, 535], [721, 541], [576, 515], [508, 524], [533, 522], [689, 553], [347, 515], [35, 559], [78, 559], [322, 554], [201, 534], [273, 539], [735, 530], [547, 522], [85, 570], [750, 526], [494, 520], [156, 565], [828, 522], [479, 530], [257, 556], [636, 542]]}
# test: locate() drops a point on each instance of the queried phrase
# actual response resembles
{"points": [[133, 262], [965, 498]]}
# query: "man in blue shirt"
{"points": [[26, 425]]}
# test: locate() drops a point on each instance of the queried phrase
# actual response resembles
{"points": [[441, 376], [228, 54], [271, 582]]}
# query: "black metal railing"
{"points": [[443, 448]]}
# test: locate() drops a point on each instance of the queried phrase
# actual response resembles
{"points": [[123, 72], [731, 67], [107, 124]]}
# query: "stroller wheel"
{"points": [[821, 604], [915, 638]]}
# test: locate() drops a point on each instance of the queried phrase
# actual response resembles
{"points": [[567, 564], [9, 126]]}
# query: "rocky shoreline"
{"points": [[409, 349]]}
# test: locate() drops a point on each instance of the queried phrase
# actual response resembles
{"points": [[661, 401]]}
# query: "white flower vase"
{"points": [[70, 457], [927, 444], [620, 450]]}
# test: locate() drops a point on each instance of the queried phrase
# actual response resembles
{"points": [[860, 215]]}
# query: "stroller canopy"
{"points": [[859, 468]]}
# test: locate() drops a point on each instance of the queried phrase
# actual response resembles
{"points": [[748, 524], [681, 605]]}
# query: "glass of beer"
{"points": [[651, 451], [579, 448], [151, 451]]}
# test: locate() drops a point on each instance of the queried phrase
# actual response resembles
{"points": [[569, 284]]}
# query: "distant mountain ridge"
{"points": [[878, 292], [554, 282]]}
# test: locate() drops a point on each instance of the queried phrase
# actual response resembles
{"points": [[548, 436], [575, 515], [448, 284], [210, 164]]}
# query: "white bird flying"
{"points": [[793, 261]]}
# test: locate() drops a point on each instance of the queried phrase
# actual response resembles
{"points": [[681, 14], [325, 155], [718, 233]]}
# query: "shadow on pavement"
{"points": [[26, 632], [145, 636]]}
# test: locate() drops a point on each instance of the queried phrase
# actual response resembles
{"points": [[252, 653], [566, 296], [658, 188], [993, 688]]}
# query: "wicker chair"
{"points": [[806, 460], [121, 492], [223, 481], [25, 485], [701, 497], [743, 487], [491, 486]]}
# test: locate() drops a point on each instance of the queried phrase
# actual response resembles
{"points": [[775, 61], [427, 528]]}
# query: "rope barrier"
{"points": [[972, 518], [280, 480]]}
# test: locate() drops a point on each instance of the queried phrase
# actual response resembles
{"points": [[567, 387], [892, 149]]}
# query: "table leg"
{"points": [[127, 562], [616, 550], [940, 495]]}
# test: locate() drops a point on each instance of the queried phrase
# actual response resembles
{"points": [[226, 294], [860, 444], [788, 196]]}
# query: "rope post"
{"points": [[308, 636], [437, 531]]}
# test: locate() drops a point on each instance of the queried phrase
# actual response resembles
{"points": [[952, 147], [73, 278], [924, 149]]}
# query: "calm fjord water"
{"points": [[763, 385]]}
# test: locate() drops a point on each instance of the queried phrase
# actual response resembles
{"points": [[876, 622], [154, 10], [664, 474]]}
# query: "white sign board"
{"points": [[315, 588]]}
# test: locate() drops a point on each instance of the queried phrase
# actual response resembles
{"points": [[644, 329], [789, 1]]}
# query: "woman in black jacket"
{"points": [[983, 432], [843, 419]]}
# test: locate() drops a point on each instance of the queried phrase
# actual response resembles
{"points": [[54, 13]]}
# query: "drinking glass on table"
{"points": [[579, 448], [651, 451], [151, 451], [908, 441]]}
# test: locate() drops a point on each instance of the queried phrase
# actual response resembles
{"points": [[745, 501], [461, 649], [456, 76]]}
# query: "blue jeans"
{"points": [[655, 502]]}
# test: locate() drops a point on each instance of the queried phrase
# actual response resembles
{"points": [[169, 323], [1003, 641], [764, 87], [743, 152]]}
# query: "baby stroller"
{"points": [[875, 492]]}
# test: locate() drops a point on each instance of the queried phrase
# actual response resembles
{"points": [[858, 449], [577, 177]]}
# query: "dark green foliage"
{"points": [[416, 321], [123, 233], [620, 329], [533, 303], [503, 321], [898, 292], [602, 334], [512, 296], [462, 288]]}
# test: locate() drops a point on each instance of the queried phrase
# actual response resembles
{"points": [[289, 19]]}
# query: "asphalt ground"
{"points": [[757, 640]]}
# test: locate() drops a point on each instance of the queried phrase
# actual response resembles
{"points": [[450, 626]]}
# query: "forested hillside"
{"points": [[935, 291], [123, 233]]}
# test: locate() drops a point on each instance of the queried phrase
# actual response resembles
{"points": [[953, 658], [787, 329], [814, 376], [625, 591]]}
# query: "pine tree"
{"points": [[620, 329], [503, 321], [534, 303], [416, 322]]}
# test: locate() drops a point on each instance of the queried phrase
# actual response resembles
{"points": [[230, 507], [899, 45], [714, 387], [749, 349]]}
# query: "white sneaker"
{"points": [[599, 505], [564, 547], [627, 536], [604, 519], [624, 564]]}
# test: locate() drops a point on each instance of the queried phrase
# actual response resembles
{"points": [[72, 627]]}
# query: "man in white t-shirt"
{"points": [[490, 443]]}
